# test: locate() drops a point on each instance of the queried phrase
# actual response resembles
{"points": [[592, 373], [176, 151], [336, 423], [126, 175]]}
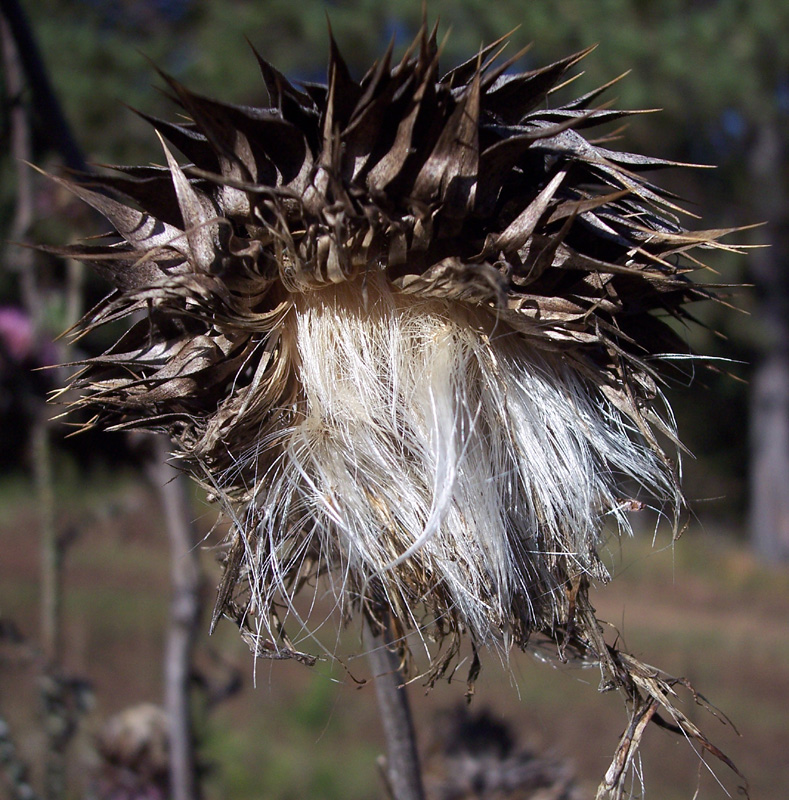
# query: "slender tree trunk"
{"points": [[769, 408], [33, 301], [57, 720], [53, 122], [402, 769], [184, 620], [769, 515]]}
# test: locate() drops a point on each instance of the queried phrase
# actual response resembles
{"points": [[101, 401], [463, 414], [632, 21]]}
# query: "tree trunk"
{"points": [[769, 476], [769, 406], [57, 721]]}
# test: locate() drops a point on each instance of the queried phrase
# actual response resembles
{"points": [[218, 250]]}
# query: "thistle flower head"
{"points": [[405, 331]]}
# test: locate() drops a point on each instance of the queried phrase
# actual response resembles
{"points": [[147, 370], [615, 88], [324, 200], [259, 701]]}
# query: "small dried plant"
{"points": [[408, 333]]}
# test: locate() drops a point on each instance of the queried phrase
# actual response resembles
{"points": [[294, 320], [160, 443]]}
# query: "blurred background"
{"points": [[86, 553]]}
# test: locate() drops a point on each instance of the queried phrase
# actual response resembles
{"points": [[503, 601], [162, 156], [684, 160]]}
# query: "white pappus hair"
{"points": [[436, 447]]}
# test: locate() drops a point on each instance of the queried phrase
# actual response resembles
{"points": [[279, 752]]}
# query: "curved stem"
{"points": [[403, 773]]}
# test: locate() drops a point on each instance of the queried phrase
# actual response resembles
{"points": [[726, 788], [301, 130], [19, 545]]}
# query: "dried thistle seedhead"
{"points": [[475, 755], [406, 330], [403, 329]]}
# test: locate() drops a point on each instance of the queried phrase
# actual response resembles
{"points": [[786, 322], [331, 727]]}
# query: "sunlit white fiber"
{"points": [[430, 440]]}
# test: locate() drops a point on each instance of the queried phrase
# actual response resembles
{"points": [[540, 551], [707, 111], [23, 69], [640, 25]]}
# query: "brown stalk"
{"points": [[401, 769], [21, 57]]}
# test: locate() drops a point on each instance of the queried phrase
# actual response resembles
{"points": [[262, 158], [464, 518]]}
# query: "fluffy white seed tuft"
{"points": [[435, 446]]}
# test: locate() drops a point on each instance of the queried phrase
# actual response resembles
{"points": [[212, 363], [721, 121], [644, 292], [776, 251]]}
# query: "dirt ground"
{"points": [[704, 609]]}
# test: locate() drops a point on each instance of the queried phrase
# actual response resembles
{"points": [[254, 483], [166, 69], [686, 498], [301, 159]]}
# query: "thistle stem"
{"points": [[403, 773]]}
